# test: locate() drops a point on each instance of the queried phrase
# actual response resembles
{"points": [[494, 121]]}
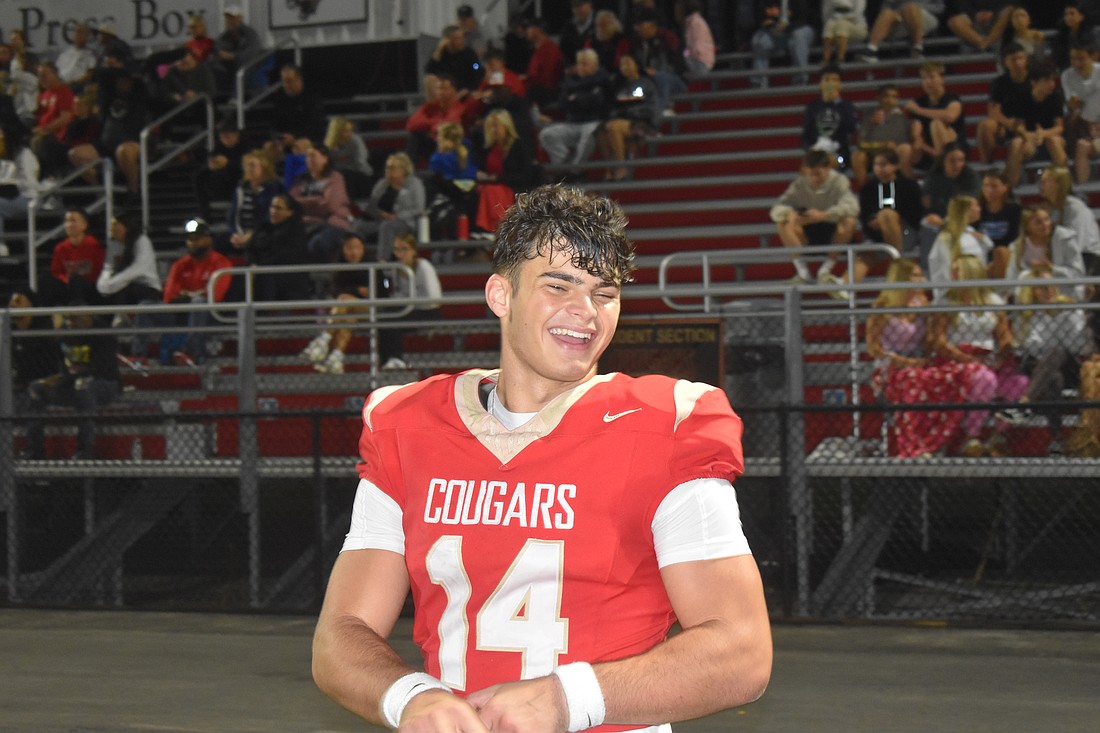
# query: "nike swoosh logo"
{"points": [[608, 417]]}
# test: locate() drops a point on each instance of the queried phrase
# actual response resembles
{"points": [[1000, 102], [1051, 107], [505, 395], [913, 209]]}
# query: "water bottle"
{"points": [[135, 450], [462, 227], [423, 228]]}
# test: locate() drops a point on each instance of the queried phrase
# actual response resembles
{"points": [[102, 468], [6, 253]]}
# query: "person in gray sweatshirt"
{"points": [[817, 208]]}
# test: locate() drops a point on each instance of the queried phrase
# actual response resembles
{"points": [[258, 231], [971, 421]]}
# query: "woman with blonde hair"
{"points": [[395, 202], [504, 169], [250, 205], [979, 334], [904, 375], [1041, 242], [958, 237], [1056, 188], [349, 156]]}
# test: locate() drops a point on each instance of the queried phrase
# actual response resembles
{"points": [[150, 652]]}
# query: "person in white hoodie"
{"points": [[18, 177], [129, 275], [817, 208]]}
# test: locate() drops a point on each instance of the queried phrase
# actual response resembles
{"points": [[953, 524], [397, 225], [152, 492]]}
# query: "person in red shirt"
{"points": [[546, 69], [55, 107], [75, 265], [187, 283], [200, 44], [442, 106]]}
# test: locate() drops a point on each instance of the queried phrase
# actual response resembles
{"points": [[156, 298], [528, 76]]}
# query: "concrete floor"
{"points": [[115, 672]]}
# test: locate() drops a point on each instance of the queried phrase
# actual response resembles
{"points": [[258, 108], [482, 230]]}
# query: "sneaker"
{"points": [[137, 363], [916, 52], [830, 279], [183, 359], [668, 112], [868, 57], [317, 349], [796, 280], [394, 363], [333, 364]]}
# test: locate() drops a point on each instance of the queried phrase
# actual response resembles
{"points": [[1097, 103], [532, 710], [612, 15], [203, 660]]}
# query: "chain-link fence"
{"points": [[228, 485]]}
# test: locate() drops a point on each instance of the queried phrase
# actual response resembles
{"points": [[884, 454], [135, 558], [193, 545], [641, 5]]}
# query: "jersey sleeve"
{"points": [[698, 520], [375, 521], [707, 435], [376, 457]]}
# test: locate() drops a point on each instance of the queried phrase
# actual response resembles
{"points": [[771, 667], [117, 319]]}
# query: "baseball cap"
{"points": [[234, 10], [106, 28], [465, 11], [196, 228]]}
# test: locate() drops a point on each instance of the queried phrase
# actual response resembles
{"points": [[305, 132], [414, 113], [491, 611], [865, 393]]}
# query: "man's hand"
{"points": [[437, 711], [528, 706]]}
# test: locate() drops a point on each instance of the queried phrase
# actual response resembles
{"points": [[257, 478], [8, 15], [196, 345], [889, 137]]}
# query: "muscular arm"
{"points": [[720, 660]]}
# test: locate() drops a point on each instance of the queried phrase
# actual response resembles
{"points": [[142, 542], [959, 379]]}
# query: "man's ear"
{"points": [[498, 295]]}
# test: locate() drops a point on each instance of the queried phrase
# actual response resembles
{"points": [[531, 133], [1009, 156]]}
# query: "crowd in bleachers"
{"points": [[500, 115]]}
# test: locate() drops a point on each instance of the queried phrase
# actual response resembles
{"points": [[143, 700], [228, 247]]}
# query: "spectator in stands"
{"points": [[109, 45], [889, 205], [83, 129], [350, 157], [219, 175], [281, 239], [296, 112], [940, 115], [76, 64], [505, 168], [1056, 190], [949, 177], [23, 59], [584, 104], [829, 123], [1000, 220], [250, 204], [1019, 31], [75, 264], [659, 55], [187, 283], [326, 209], [237, 46], [983, 336], [817, 208], [1053, 346], [32, 357], [903, 373], [699, 49], [580, 31], [609, 36], [200, 45], [119, 137], [782, 28], [1075, 27], [883, 128], [959, 237], [22, 83], [502, 88], [186, 79], [1040, 123], [452, 169], [395, 202], [1042, 243], [845, 22], [454, 59], [18, 177], [517, 49], [88, 380], [896, 19], [467, 21], [129, 275], [443, 105], [1081, 88], [55, 109], [1084, 440], [425, 284], [545, 69], [1008, 95], [980, 23], [326, 350], [635, 113]]}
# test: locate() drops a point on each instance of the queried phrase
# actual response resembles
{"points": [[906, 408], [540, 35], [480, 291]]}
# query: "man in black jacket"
{"points": [[585, 98]]}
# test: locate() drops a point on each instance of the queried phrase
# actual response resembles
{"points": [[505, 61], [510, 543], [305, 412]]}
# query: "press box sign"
{"points": [[48, 24]]}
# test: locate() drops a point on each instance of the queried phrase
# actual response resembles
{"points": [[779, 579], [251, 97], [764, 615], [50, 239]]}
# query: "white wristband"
{"points": [[583, 695], [405, 689]]}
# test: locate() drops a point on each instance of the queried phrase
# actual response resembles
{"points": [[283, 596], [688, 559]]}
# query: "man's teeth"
{"points": [[569, 332]]}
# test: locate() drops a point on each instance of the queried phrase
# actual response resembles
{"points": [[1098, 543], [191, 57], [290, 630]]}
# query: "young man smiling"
{"points": [[552, 522]]}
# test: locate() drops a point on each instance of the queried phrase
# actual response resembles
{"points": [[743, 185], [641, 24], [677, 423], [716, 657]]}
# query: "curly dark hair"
{"points": [[591, 229]]}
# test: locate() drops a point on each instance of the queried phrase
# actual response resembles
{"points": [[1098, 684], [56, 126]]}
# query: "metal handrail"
{"points": [[241, 104], [741, 257], [106, 202], [146, 168]]}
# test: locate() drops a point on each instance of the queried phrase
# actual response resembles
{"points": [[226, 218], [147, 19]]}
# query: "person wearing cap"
{"points": [[236, 46], [467, 21], [187, 283], [108, 43], [454, 58], [218, 176], [517, 49]]}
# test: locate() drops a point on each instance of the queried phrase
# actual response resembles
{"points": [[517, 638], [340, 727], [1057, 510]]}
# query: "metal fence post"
{"points": [[8, 486], [800, 503], [248, 443]]}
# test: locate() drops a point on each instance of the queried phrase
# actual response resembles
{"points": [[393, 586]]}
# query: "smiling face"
{"points": [[1039, 227], [76, 226], [556, 321]]}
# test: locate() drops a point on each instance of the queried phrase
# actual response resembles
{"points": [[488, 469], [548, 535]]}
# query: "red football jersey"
{"points": [[532, 548]]}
